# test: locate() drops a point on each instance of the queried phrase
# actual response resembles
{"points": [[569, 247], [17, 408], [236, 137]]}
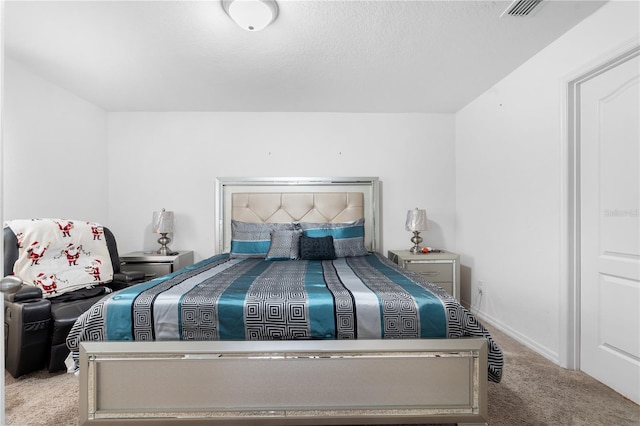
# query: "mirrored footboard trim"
{"points": [[310, 382]]}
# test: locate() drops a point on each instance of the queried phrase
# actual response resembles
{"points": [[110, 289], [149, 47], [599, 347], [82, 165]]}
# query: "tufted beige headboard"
{"points": [[281, 200], [279, 207]]}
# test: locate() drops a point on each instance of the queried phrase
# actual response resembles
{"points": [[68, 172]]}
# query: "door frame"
{"points": [[571, 201]]}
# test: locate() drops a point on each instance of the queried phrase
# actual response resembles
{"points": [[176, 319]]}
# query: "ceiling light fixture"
{"points": [[252, 15]]}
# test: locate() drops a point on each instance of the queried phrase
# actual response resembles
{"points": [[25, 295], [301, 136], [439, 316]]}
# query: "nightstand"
{"points": [[442, 269], [155, 265]]}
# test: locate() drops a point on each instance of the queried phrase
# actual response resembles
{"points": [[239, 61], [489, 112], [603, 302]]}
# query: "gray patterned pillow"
{"points": [[285, 245], [253, 239]]}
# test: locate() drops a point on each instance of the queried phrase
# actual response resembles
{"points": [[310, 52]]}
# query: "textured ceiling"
{"points": [[319, 55]]}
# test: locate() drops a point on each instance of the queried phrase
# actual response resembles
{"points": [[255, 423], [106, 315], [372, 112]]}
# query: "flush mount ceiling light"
{"points": [[252, 15]]}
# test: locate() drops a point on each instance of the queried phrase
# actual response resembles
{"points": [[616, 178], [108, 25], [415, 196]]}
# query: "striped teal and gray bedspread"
{"points": [[221, 298]]}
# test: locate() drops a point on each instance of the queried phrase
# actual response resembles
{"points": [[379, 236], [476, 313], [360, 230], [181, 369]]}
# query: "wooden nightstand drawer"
{"points": [[448, 286], [436, 272], [154, 265], [442, 268], [150, 269]]}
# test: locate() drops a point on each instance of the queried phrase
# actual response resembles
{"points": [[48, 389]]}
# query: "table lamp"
{"points": [[163, 224], [416, 222]]}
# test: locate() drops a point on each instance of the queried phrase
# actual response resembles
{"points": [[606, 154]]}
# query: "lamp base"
{"points": [[416, 240], [164, 249]]}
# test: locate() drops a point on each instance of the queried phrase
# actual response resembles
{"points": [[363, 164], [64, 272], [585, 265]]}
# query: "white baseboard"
{"points": [[552, 356]]}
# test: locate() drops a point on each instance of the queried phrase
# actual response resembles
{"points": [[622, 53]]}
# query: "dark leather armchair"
{"points": [[36, 328]]}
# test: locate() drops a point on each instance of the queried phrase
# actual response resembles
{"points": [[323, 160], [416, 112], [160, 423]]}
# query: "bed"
{"points": [[296, 320]]}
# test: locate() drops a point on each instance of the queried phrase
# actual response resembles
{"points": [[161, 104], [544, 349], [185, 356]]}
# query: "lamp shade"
{"points": [[162, 222], [416, 220], [251, 15]]}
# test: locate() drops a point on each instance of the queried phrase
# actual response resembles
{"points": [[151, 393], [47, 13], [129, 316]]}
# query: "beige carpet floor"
{"points": [[534, 391]]}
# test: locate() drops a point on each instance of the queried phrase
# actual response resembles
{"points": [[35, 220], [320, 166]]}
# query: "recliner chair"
{"points": [[36, 328]]}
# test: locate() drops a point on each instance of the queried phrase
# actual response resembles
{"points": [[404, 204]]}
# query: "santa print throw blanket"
{"points": [[61, 255]]}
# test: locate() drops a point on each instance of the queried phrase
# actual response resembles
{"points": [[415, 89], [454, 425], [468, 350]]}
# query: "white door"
{"points": [[609, 129]]}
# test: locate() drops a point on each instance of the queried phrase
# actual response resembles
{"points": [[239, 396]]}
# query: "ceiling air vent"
{"points": [[521, 8]]}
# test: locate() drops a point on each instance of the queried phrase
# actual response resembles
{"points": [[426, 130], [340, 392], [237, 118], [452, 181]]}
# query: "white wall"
{"points": [[54, 151], [54, 155], [510, 171], [65, 157], [171, 160], [490, 178]]}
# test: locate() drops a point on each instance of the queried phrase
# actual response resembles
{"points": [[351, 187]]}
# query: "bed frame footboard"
{"points": [[284, 382]]}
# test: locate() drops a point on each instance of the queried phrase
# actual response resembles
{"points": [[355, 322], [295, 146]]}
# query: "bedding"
{"points": [[317, 248], [348, 237], [254, 239], [245, 298], [285, 245]]}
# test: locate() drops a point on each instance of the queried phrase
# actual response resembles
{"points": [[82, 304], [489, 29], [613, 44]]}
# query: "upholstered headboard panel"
{"points": [[281, 200], [279, 207]]}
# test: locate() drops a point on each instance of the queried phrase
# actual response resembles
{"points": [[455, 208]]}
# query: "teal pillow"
{"points": [[348, 237]]}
